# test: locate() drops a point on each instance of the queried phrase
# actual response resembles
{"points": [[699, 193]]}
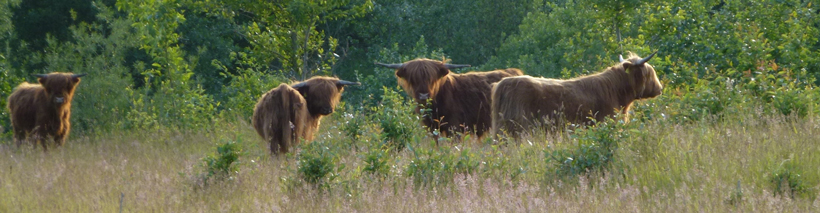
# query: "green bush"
{"points": [[317, 164], [595, 150], [355, 123], [397, 119], [224, 164], [431, 167], [376, 162], [787, 180]]}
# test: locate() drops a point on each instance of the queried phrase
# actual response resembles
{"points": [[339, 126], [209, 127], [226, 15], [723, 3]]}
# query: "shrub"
{"points": [[436, 166], [787, 179], [595, 150], [376, 162], [396, 119], [224, 164], [317, 164], [354, 124]]}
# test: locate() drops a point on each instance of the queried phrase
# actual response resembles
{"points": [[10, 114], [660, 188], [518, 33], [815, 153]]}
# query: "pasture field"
{"points": [[160, 123], [719, 165]]}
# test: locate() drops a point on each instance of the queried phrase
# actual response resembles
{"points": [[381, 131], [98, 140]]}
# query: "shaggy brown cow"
{"points": [[458, 102], [41, 110], [521, 103], [286, 114]]}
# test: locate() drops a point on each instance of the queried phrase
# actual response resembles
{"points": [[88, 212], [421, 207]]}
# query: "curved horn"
{"points": [[644, 60], [343, 82], [622, 58], [455, 66], [79, 75], [39, 75], [392, 66], [302, 84]]}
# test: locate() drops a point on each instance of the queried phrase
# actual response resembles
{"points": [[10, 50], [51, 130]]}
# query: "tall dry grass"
{"points": [[721, 165]]}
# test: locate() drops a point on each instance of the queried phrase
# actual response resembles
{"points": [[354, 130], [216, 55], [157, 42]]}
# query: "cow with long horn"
{"points": [[40, 112], [520, 104], [290, 113], [457, 102]]}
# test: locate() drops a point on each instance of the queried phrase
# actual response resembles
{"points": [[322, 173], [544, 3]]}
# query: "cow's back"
{"points": [[519, 103], [464, 100], [23, 105], [279, 117]]}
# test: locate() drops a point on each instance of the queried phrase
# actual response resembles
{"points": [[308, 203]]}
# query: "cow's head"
{"points": [[59, 86], [421, 78], [322, 93], [642, 76]]}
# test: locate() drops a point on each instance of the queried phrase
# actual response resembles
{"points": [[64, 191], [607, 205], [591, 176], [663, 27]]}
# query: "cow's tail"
{"points": [[286, 118], [262, 118]]}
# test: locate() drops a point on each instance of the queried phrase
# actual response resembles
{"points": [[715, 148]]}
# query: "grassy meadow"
{"points": [[730, 164]]}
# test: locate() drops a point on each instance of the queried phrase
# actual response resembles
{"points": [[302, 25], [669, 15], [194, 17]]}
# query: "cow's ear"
{"points": [[42, 80], [627, 65], [401, 73], [443, 71], [303, 88]]}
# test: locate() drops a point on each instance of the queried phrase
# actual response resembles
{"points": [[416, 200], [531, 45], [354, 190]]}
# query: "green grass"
{"points": [[710, 165]]}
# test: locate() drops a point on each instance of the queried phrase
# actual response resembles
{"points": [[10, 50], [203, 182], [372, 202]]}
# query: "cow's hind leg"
{"points": [[283, 148], [19, 137], [60, 139]]}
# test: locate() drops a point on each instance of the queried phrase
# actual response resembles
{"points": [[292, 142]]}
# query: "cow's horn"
{"points": [[622, 58], [79, 75], [644, 60], [343, 82], [39, 75], [392, 66], [455, 66], [299, 85]]}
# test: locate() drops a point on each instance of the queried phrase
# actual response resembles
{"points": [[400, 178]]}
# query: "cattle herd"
{"points": [[503, 102]]}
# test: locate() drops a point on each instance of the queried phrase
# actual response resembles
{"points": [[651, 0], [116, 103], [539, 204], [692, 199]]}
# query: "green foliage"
{"points": [[103, 97], [246, 87], [431, 167], [468, 30], [173, 96], [396, 119], [225, 163], [376, 162], [556, 37], [595, 150], [209, 42], [354, 125], [317, 164], [285, 36], [787, 179]]}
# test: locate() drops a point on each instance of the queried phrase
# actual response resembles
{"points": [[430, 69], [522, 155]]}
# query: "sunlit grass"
{"points": [[711, 165]]}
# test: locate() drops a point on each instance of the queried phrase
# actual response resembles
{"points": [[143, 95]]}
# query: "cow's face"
{"points": [[653, 85], [646, 80], [59, 86], [421, 78], [322, 94]]}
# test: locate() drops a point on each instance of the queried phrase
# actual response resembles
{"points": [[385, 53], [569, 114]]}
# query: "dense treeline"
{"points": [[184, 63]]}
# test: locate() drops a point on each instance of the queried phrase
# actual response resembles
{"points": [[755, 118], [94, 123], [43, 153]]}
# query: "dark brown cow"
{"points": [[43, 110], [457, 102], [522, 103], [286, 114]]}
